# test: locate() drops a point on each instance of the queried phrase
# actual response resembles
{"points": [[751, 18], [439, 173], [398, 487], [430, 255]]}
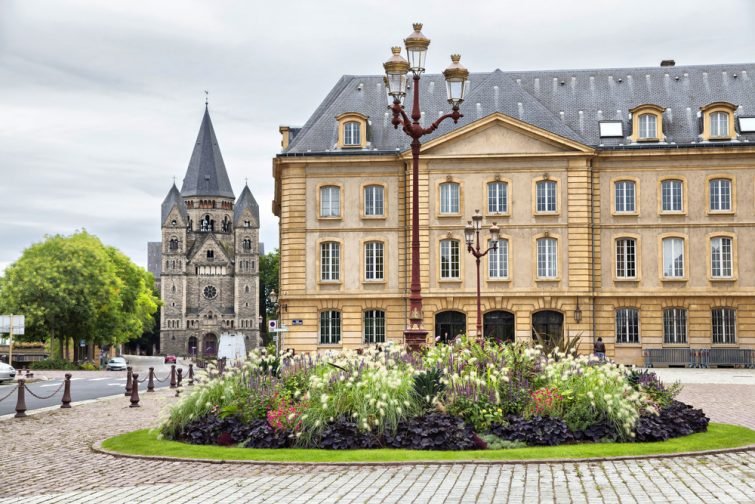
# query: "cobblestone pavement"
{"points": [[46, 458]]}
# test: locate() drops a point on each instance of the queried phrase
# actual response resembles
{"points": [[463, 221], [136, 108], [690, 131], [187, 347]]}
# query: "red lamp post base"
{"points": [[415, 339]]}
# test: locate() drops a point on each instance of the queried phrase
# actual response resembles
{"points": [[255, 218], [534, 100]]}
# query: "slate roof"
{"points": [[206, 175], [569, 103], [246, 200], [173, 199]]}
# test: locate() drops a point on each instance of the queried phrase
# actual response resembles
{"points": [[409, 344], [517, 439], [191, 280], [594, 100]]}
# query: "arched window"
{"points": [[719, 124], [246, 244], [210, 254], [648, 126], [352, 134], [207, 224], [174, 244]]}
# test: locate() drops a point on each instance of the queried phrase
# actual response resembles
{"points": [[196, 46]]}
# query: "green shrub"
{"points": [[56, 363], [88, 366]]}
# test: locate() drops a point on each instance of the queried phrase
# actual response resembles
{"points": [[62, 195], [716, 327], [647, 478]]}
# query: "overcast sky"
{"points": [[101, 101]]}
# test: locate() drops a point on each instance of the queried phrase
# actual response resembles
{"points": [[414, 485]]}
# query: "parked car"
{"points": [[117, 364], [170, 359], [7, 372]]}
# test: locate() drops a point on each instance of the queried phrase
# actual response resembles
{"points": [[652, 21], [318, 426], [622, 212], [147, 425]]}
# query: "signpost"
{"points": [[12, 324], [273, 326]]}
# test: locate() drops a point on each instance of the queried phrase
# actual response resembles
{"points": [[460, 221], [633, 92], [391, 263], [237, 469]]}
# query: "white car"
{"points": [[7, 373], [117, 364]]}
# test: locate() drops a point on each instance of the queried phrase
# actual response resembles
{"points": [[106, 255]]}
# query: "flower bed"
{"points": [[466, 396]]}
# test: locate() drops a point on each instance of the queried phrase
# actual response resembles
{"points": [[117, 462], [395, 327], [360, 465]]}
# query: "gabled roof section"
{"points": [[173, 199], [206, 175], [246, 201], [201, 244]]}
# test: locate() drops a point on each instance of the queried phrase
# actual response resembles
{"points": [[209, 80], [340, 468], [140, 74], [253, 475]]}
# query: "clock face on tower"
{"points": [[210, 292]]}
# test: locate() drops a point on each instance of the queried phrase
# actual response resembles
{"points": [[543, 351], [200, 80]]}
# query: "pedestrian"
{"points": [[599, 349]]}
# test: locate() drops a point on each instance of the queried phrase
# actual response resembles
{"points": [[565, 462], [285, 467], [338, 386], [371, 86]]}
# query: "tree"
{"points": [[74, 286]]}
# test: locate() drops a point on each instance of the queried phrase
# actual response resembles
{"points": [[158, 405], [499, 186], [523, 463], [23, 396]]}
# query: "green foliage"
{"points": [[54, 363], [557, 343], [496, 443], [88, 366], [427, 387], [479, 414], [269, 274]]}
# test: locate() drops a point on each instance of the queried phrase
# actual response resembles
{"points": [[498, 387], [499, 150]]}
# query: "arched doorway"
{"points": [[449, 324], [499, 326], [210, 345], [192, 346], [549, 324]]}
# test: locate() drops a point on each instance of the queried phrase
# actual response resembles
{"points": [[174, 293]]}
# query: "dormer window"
{"points": [[647, 123], [210, 254], [352, 130], [717, 122]]}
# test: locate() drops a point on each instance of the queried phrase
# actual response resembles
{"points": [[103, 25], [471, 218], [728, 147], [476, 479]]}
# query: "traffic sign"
{"points": [[272, 324]]}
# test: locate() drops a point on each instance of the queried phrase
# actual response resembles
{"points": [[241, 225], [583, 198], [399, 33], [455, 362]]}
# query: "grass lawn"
{"points": [[145, 442]]}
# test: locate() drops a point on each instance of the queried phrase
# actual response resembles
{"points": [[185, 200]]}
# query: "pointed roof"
{"points": [[173, 199], [246, 200], [206, 175]]}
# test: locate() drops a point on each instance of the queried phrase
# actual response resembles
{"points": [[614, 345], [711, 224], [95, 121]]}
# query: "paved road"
{"points": [[46, 458]]}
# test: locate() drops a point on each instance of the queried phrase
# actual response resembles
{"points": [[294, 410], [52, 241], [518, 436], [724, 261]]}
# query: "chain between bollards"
{"points": [[151, 382], [128, 381], [21, 399], [135, 391], [172, 376], [67, 392], [191, 374]]}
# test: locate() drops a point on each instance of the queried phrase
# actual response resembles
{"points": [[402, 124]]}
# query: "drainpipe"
{"points": [[592, 250], [406, 241]]}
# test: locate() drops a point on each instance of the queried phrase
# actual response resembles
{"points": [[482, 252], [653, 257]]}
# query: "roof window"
{"points": [[611, 129]]}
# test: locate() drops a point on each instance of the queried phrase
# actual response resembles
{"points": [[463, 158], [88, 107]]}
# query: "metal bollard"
{"points": [[180, 372], [21, 399], [128, 381], [172, 376], [191, 375], [151, 382], [67, 392], [135, 392]]}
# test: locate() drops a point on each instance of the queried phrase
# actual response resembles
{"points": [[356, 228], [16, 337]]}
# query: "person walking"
{"points": [[599, 349]]}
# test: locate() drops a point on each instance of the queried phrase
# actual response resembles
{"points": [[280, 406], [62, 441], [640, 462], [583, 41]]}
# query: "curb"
{"points": [[97, 448]]}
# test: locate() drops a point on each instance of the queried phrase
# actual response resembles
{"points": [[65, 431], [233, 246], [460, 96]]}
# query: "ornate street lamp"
{"points": [[457, 83], [472, 236]]}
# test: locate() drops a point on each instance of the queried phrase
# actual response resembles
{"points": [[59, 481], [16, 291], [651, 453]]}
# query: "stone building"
{"points": [[624, 198], [209, 277]]}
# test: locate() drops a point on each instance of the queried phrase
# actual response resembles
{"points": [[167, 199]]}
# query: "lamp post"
{"points": [[457, 83], [472, 236], [273, 298]]}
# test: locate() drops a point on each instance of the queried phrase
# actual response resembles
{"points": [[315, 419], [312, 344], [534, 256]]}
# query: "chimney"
{"points": [[668, 63]]}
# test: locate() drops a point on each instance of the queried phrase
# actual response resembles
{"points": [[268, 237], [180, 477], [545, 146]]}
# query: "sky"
{"points": [[101, 101]]}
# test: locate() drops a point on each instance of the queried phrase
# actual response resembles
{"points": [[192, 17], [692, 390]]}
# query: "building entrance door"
{"points": [[449, 324], [210, 345]]}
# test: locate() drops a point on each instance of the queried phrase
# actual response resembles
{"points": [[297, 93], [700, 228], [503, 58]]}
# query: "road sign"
{"points": [[18, 321], [272, 324]]}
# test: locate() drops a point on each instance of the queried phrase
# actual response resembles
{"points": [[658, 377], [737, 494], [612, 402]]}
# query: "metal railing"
{"points": [[23, 388], [699, 357]]}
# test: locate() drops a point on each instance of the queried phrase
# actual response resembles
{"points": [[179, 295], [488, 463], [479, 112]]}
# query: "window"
{"points": [[626, 258], [546, 196], [625, 196], [719, 124], [247, 223], [374, 326], [498, 260], [720, 257], [352, 134], [330, 327], [173, 244], [674, 325], [210, 254], [449, 259], [611, 129], [724, 326], [627, 325], [546, 258], [673, 257], [671, 195], [373, 261], [330, 201], [330, 266], [498, 198], [246, 244], [373, 200], [648, 128], [720, 195], [449, 198]]}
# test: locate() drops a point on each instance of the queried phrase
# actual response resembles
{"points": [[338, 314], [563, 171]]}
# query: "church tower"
{"points": [[209, 281]]}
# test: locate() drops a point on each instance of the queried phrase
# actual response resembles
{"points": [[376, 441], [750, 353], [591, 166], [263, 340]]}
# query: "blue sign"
{"points": [[297, 322]]}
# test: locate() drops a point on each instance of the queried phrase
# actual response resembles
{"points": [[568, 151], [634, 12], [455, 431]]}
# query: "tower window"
{"points": [[210, 254]]}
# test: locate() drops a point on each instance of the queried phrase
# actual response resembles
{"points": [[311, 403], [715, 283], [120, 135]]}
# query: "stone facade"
{"points": [[209, 280]]}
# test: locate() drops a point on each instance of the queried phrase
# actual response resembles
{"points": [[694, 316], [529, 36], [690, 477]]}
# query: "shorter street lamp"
{"points": [[273, 298], [472, 236]]}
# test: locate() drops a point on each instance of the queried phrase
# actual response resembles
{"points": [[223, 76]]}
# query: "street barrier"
{"points": [[128, 381], [22, 388], [135, 392], [151, 383], [191, 374], [172, 376]]}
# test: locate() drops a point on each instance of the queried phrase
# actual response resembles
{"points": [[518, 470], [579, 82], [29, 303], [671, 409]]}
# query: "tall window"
{"points": [[673, 257], [174, 244], [720, 194], [498, 260], [671, 195], [498, 197], [374, 326], [330, 261], [330, 327], [373, 261], [246, 244], [648, 126], [724, 325], [627, 325], [720, 257], [351, 133], [449, 197], [674, 325], [330, 201], [719, 124], [626, 258], [625, 196], [373, 200], [547, 254], [546, 196], [449, 259]]}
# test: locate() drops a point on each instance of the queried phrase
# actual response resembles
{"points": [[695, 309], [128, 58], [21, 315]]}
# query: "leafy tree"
{"points": [[269, 274]]}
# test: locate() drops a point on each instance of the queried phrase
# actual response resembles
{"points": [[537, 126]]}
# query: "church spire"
{"points": [[206, 175]]}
